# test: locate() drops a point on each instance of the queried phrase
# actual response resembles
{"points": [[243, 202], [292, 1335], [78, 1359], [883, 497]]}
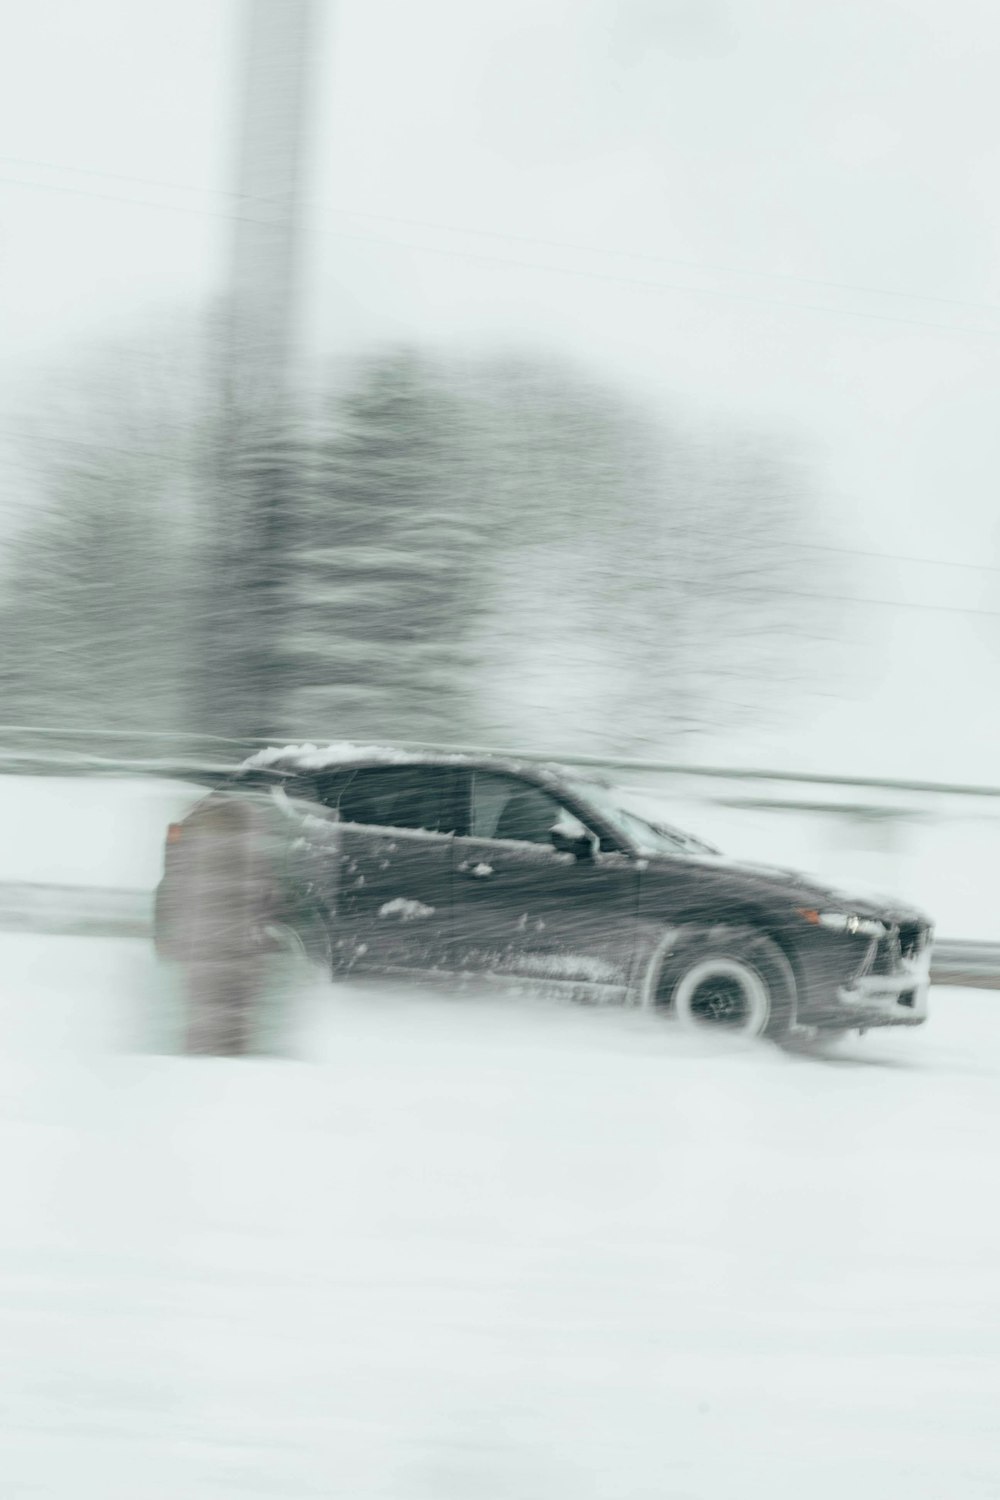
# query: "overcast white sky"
{"points": [[783, 211]]}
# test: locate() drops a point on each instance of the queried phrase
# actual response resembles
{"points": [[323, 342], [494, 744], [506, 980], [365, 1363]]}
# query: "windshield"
{"points": [[625, 811]]}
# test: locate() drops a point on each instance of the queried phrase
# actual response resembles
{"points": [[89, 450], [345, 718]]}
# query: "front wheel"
{"points": [[737, 983]]}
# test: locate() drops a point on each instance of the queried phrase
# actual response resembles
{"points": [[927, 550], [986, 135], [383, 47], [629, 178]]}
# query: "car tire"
{"points": [[734, 981]]}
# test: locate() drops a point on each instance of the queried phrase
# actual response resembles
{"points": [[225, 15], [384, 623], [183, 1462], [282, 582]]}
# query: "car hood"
{"points": [[801, 887]]}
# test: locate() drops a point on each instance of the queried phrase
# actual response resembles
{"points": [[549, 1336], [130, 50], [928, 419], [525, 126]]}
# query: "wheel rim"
{"points": [[723, 994]]}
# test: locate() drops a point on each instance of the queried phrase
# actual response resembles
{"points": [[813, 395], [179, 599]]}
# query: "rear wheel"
{"points": [[736, 983]]}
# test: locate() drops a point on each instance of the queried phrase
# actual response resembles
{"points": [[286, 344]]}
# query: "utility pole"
{"points": [[260, 362], [275, 115]]}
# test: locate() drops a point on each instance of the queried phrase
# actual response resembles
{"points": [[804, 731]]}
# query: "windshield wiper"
{"points": [[686, 840]]}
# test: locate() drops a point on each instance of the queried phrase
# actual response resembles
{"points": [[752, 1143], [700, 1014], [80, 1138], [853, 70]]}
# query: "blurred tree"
{"points": [[93, 604], [142, 591], [258, 499], [505, 550], [91, 634], [388, 566], [646, 579]]}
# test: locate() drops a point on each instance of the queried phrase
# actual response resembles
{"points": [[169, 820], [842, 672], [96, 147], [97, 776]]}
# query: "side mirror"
{"points": [[576, 841]]}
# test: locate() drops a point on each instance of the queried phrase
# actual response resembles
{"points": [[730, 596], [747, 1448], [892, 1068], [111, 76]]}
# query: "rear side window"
{"points": [[417, 797]]}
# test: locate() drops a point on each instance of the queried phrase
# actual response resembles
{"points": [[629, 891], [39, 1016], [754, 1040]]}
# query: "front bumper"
{"points": [[896, 999]]}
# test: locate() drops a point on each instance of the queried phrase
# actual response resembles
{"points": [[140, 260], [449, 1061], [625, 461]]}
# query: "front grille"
{"points": [[887, 954], [907, 941], [912, 939]]}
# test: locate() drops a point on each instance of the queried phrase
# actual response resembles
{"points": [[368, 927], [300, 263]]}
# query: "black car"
{"points": [[388, 860]]}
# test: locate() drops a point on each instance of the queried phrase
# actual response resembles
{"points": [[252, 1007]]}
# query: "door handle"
{"points": [[475, 869]]}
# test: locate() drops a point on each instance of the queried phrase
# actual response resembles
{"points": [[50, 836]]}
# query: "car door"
{"points": [[523, 906], [395, 836]]}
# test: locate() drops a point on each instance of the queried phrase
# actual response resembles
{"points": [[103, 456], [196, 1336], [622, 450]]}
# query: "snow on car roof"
{"points": [[309, 757], [315, 757]]}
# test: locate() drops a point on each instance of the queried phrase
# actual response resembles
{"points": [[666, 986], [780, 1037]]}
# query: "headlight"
{"points": [[844, 921]]}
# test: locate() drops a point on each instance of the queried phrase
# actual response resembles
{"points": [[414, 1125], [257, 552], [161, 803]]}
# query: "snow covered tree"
{"points": [[142, 588], [247, 606], [387, 574], [442, 549], [93, 600], [645, 575]]}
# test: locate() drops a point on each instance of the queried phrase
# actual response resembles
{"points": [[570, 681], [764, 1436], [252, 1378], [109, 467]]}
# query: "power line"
{"points": [[929, 562], [605, 277], [951, 609], [173, 187], [479, 233], [694, 265], [175, 208], [171, 456], [736, 594], [667, 286]]}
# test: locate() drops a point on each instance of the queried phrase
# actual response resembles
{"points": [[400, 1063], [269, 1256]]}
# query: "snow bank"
{"points": [[455, 1245]]}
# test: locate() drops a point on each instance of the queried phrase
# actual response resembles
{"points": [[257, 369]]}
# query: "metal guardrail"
{"points": [[73, 763], [23, 744], [966, 963], [81, 911], [733, 773]]}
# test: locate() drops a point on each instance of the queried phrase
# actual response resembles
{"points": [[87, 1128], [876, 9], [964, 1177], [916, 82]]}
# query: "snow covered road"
{"points": [[485, 1247]]}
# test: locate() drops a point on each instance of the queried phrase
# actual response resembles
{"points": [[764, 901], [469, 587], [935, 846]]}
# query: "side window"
{"points": [[417, 797], [504, 807]]}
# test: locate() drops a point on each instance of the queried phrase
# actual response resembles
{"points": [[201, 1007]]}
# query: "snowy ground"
{"points": [[485, 1247]]}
